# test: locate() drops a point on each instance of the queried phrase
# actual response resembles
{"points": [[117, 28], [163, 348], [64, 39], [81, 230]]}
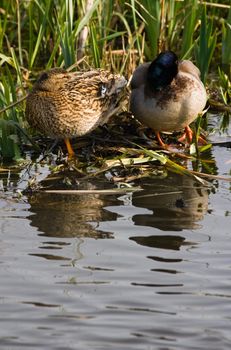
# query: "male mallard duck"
{"points": [[167, 94], [65, 104]]}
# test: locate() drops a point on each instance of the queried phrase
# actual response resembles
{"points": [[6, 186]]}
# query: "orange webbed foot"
{"points": [[187, 137]]}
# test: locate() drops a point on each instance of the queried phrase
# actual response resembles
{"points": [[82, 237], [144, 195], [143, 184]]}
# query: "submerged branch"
{"points": [[104, 192], [218, 106]]}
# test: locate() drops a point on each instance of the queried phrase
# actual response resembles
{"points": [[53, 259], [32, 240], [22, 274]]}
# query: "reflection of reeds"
{"points": [[113, 34]]}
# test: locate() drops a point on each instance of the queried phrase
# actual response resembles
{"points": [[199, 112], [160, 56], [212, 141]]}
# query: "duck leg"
{"points": [[70, 150], [159, 139], [188, 136]]}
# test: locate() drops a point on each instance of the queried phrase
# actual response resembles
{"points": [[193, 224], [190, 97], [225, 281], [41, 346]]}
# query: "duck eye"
{"points": [[103, 91], [43, 76], [159, 70]]}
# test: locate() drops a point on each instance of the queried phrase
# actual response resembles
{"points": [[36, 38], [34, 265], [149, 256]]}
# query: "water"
{"points": [[144, 270]]}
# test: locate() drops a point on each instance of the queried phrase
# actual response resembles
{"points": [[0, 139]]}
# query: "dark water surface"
{"points": [[143, 270]]}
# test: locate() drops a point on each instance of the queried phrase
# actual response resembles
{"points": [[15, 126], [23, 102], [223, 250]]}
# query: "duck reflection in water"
{"points": [[177, 202], [58, 215]]}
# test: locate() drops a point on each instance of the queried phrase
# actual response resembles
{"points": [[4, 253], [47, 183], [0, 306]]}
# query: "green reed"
{"points": [[150, 11], [189, 25], [226, 40], [225, 91], [205, 45], [9, 136]]}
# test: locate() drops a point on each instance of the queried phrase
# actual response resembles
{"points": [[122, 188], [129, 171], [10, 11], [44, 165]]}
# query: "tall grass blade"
{"points": [[19, 33], [3, 23], [205, 47], [42, 27], [226, 43], [9, 140], [94, 46], [190, 18], [85, 20], [150, 10]]}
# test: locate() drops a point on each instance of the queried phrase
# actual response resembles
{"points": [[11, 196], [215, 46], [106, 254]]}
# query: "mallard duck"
{"points": [[64, 104], [167, 94]]}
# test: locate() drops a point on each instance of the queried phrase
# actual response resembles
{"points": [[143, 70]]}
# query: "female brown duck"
{"points": [[63, 105], [167, 95]]}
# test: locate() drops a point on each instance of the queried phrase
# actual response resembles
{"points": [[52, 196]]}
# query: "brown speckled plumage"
{"points": [[67, 104]]}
